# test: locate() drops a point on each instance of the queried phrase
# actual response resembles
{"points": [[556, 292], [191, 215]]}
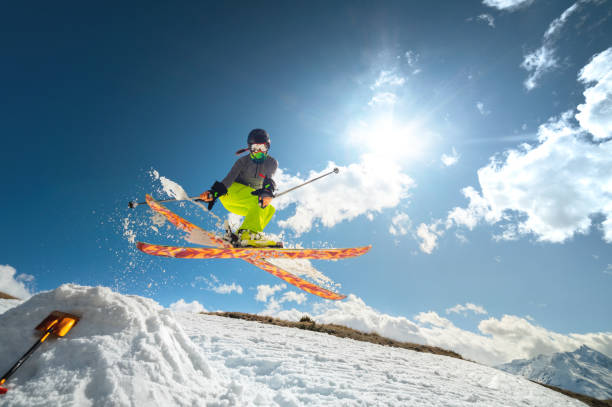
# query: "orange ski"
{"points": [[195, 233], [249, 252]]}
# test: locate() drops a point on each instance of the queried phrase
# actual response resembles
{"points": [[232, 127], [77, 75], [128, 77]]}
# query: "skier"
{"points": [[247, 190]]}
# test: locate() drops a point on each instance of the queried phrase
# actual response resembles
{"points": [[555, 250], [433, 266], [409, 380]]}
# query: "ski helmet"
{"points": [[258, 136]]}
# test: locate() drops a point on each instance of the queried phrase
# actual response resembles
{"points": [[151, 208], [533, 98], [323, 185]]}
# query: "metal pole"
{"points": [[135, 204], [334, 171]]}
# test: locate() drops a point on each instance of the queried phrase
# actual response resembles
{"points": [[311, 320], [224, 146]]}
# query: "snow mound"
{"points": [[125, 350]]}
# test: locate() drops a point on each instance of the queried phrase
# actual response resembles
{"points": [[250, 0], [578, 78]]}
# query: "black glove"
{"points": [[218, 189], [267, 190]]}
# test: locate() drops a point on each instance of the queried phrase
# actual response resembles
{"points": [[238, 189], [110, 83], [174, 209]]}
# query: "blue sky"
{"points": [[473, 140]]}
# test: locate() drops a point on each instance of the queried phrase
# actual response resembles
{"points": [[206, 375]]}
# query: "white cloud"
{"points": [[481, 108], [608, 269], [557, 24], [264, 291], [385, 99], [354, 313], [508, 5], [478, 208], [538, 63], [595, 115], [429, 236], [373, 184], [411, 58], [28, 278], [450, 159], [274, 306], [509, 232], [227, 288], [498, 341], [488, 18], [554, 188], [387, 79], [215, 285], [543, 59], [13, 284], [516, 334], [182, 306], [463, 309], [400, 224], [292, 296], [461, 237], [433, 319]]}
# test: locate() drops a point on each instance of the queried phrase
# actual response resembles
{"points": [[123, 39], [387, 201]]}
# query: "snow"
{"points": [[5, 305], [129, 351], [583, 371], [125, 350]]}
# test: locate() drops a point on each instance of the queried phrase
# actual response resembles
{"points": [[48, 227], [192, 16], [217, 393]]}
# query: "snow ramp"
{"points": [[125, 350]]}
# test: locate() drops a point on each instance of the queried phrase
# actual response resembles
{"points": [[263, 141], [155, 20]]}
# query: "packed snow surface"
{"points": [[129, 351]]}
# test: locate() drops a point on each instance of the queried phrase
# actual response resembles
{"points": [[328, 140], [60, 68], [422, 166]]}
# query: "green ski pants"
{"points": [[239, 200]]}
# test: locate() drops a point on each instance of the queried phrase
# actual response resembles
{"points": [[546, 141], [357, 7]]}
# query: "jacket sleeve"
{"points": [[272, 168], [233, 173]]}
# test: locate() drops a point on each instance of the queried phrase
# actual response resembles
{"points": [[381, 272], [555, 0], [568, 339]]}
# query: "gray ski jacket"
{"points": [[248, 172]]}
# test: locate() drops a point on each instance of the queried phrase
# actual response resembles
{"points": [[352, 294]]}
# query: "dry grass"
{"points": [[339, 331], [585, 399], [5, 296]]}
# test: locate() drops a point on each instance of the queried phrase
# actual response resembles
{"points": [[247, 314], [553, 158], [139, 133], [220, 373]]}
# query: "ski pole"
{"points": [[135, 204], [334, 171]]}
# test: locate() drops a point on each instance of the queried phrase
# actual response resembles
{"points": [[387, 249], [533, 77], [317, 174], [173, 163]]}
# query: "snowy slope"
{"points": [[584, 371], [129, 351]]}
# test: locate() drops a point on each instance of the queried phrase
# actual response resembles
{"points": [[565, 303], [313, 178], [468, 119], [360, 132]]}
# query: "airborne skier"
{"points": [[247, 190]]}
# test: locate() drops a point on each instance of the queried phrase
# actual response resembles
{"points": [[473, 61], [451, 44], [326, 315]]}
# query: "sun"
{"points": [[386, 136]]}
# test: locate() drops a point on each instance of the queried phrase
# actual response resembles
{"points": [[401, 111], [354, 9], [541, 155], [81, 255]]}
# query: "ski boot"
{"points": [[247, 238]]}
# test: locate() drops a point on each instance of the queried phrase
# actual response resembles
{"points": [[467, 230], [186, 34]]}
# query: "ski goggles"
{"points": [[259, 148]]}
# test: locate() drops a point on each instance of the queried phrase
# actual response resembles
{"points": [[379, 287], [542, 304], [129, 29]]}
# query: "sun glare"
{"points": [[387, 137]]}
